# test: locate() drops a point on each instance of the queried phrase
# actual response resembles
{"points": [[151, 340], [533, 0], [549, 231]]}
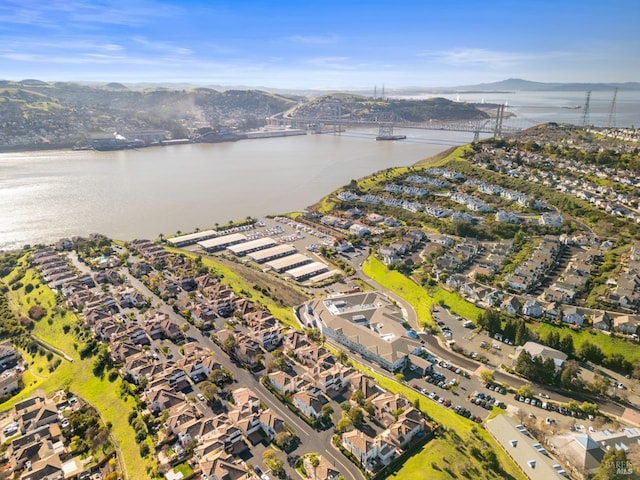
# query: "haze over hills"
{"points": [[511, 84], [527, 85], [40, 114]]}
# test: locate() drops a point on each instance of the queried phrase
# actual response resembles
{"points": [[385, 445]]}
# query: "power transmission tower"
{"points": [[585, 113], [612, 110], [497, 131]]}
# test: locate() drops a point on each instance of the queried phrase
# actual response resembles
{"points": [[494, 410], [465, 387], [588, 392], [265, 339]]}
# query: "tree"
{"points": [[525, 391], [282, 439], [553, 340], [525, 365], [217, 376], [272, 461], [343, 357], [358, 397], [343, 425], [487, 376], [522, 333], [357, 417], [315, 462], [590, 352], [327, 411], [566, 345], [589, 408], [547, 372], [614, 466], [569, 375], [490, 320], [368, 407], [229, 344], [209, 390], [400, 377]]}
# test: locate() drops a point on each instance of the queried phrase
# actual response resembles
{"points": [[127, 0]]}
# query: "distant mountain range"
{"points": [[509, 85], [518, 84]]}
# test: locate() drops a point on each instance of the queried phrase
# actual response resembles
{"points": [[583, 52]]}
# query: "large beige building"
{"points": [[367, 323]]}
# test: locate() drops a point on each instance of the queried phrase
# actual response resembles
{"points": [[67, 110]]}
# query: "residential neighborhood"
{"points": [[433, 305]]}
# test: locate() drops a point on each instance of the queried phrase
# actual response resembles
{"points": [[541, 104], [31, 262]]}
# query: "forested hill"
{"points": [[32, 111], [37, 114], [358, 107]]}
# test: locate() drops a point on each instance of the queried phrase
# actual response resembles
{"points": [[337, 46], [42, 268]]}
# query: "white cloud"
{"points": [[314, 40], [162, 46], [494, 59], [340, 63]]}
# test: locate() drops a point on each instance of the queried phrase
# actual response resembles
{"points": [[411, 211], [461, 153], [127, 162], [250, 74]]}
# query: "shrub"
{"points": [[37, 312], [144, 450]]}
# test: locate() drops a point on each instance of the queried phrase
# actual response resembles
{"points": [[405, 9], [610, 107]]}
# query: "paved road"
{"points": [[433, 344], [311, 440]]}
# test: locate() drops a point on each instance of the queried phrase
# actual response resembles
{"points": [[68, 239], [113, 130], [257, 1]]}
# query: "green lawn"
{"points": [[421, 299], [76, 375], [608, 345]]}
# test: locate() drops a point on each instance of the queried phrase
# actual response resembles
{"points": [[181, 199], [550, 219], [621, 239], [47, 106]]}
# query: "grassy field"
{"points": [[421, 299], [444, 157], [608, 345], [450, 451], [76, 375]]}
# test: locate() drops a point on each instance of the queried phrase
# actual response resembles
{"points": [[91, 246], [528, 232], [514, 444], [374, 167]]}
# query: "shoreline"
{"points": [[18, 231], [35, 147]]}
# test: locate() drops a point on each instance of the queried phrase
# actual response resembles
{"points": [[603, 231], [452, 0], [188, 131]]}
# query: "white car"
{"points": [[200, 397]]}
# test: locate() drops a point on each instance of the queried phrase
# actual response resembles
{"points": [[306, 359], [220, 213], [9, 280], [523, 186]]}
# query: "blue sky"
{"points": [[327, 44]]}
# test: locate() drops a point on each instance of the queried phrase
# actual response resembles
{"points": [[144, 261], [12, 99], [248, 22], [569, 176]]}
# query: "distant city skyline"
{"points": [[320, 45]]}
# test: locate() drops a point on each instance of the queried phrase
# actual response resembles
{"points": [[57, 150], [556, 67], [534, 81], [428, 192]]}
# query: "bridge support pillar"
{"points": [[385, 130]]}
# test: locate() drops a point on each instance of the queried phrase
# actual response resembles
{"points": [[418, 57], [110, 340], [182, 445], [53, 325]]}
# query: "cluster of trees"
{"points": [[89, 433], [514, 330], [8, 262], [536, 369], [588, 352], [564, 344], [351, 417]]}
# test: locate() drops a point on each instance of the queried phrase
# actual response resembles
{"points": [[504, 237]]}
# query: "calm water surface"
{"points": [[131, 194]]}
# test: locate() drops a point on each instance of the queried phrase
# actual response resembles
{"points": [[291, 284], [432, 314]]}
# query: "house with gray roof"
{"points": [[368, 323]]}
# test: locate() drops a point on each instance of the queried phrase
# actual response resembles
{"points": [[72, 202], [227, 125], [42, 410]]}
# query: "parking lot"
{"points": [[479, 346]]}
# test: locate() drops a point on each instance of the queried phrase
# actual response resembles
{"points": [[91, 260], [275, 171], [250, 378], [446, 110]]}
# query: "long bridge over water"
{"points": [[336, 123]]}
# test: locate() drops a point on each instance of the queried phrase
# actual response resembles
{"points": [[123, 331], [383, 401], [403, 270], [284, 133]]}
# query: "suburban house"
{"points": [[283, 382], [537, 350], [309, 403], [573, 315], [369, 451]]}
